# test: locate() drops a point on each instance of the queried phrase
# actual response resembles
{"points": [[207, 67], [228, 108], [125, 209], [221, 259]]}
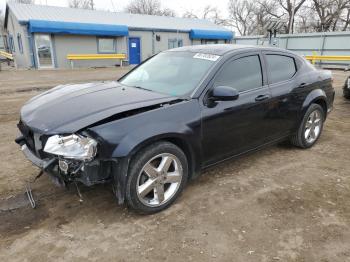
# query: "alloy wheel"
{"points": [[313, 126], [159, 180]]}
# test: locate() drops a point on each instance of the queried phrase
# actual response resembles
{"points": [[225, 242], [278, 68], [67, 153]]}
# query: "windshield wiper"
{"points": [[140, 87]]}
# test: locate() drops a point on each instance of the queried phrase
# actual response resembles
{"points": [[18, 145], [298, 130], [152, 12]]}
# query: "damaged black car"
{"points": [[174, 115]]}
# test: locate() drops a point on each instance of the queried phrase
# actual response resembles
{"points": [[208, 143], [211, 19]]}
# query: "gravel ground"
{"points": [[279, 204]]}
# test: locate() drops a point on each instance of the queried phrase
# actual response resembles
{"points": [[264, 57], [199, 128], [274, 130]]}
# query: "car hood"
{"points": [[69, 108]]}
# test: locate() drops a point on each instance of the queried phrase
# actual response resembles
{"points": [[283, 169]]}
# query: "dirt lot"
{"points": [[279, 204]]}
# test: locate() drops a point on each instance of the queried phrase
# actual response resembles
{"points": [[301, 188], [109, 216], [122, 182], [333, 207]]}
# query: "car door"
{"points": [[233, 127], [284, 84]]}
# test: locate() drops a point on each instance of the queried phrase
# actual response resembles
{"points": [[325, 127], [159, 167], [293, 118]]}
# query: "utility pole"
{"points": [[291, 20]]}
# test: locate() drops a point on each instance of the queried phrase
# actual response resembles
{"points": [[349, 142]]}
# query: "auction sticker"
{"points": [[206, 56]]}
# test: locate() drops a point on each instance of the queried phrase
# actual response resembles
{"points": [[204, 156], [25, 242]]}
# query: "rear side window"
{"points": [[243, 74], [281, 67]]}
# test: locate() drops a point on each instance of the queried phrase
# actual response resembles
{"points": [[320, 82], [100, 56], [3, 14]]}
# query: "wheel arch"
{"points": [[322, 102], [317, 96], [178, 140]]}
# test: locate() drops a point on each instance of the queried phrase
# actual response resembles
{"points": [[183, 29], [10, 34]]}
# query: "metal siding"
{"points": [[338, 42], [306, 43], [164, 39], [14, 28], [78, 44], [246, 41], [335, 43], [24, 12]]}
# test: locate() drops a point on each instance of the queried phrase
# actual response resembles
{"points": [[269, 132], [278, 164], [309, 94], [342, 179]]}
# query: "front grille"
{"points": [[34, 140], [28, 136]]}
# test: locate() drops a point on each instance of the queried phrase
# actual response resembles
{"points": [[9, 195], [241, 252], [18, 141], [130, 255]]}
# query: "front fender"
{"points": [[121, 137], [152, 132]]}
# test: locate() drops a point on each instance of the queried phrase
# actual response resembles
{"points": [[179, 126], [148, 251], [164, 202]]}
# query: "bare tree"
{"points": [[265, 11], [242, 16], [82, 4], [148, 7], [290, 8], [345, 19], [330, 13], [305, 18], [209, 12]]}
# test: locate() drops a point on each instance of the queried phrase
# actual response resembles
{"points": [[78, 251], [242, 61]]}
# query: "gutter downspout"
{"points": [[322, 48], [30, 37], [153, 42]]}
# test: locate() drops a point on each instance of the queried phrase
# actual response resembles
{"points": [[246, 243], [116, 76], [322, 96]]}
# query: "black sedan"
{"points": [[346, 88], [177, 113]]}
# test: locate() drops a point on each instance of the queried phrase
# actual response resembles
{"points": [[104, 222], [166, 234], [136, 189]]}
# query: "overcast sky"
{"points": [[180, 6]]}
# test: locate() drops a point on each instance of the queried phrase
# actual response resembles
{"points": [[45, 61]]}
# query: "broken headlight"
{"points": [[72, 146]]}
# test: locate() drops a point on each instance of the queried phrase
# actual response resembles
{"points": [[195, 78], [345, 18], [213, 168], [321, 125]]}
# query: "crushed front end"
{"points": [[66, 158]]}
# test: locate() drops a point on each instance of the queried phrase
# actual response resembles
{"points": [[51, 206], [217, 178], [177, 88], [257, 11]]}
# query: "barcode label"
{"points": [[206, 56]]}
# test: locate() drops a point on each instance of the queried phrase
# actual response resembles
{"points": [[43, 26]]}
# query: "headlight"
{"points": [[349, 82], [73, 146]]}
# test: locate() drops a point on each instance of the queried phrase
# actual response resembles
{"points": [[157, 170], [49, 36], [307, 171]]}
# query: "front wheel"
{"points": [[310, 127], [156, 177]]}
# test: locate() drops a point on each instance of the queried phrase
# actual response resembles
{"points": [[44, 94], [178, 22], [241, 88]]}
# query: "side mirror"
{"points": [[224, 93]]}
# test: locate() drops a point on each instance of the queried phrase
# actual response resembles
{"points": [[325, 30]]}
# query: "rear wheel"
{"points": [[156, 177], [346, 94], [310, 127]]}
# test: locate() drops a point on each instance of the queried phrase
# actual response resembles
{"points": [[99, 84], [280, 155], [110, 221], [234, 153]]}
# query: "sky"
{"points": [[180, 6]]}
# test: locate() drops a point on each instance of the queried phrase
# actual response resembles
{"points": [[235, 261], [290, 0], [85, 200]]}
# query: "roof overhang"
{"points": [[72, 28], [211, 34]]}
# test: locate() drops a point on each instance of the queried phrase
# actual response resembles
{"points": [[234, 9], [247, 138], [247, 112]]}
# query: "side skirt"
{"points": [[273, 142]]}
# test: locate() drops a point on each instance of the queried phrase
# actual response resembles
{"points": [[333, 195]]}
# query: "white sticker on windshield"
{"points": [[206, 56]]}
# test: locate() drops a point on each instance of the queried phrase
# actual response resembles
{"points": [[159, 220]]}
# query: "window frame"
{"points": [[232, 59], [176, 41], [103, 52], [20, 43], [268, 71], [12, 44]]}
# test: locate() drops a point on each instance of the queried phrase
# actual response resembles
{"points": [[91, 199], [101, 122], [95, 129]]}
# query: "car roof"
{"points": [[222, 49]]}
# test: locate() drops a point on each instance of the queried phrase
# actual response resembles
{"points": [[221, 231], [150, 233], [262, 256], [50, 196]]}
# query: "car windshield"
{"points": [[174, 73]]}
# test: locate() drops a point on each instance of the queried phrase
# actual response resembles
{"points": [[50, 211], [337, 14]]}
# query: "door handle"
{"points": [[302, 85], [262, 97]]}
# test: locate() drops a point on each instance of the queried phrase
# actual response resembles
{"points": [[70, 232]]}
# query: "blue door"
{"points": [[134, 50]]}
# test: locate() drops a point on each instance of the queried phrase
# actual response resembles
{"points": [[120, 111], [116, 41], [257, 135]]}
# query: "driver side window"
{"points": [[242, 74]]}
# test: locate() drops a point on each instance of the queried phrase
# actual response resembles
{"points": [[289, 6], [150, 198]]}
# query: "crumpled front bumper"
{"points": [[44, 164]]}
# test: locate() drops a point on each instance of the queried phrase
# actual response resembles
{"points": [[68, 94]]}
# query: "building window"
{"points": [[11, 44], [106, 45], [209, 41], [20, 45], [173, 43]]}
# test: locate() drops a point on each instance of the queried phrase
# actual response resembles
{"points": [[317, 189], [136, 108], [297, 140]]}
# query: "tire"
{"points": [[147, 179], [303, 139]]}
